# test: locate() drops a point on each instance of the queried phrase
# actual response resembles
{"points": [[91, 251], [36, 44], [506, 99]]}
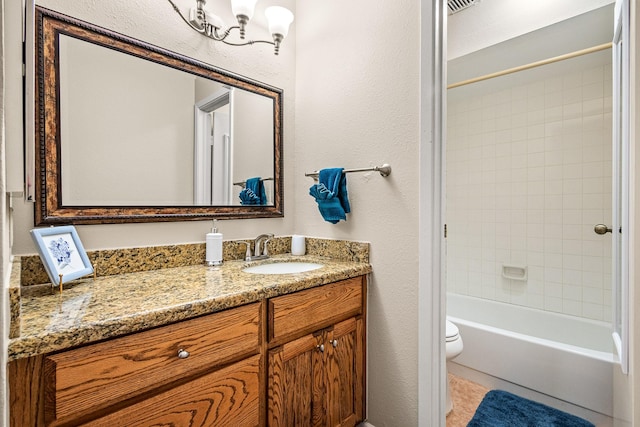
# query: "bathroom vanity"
{"points": [[195, 346]]}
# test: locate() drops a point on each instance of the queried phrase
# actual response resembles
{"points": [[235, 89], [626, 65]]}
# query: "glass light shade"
{"points": [[279, 19], [243, 7]]}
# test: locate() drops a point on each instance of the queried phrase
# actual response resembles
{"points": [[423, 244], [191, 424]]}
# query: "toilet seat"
{"points": [[452, 332]]}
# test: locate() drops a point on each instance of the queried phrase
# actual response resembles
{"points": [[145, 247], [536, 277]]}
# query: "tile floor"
{"points": [[466, 397]]}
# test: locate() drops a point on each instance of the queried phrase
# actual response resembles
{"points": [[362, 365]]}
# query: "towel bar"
{"points": [[244, 183], [385, 170]]}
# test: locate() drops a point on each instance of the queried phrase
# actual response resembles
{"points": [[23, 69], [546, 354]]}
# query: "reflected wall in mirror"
{"points": [[129, 132]]}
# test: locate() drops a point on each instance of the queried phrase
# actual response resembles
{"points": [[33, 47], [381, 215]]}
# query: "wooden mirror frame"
{"points": [[49, 209]]}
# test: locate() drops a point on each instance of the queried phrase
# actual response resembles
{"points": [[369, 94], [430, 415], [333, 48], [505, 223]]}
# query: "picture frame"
{"points": [[62, 253]]}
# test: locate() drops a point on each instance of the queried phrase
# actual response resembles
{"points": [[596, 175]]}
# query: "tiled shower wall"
{"points": [[528, 175]]}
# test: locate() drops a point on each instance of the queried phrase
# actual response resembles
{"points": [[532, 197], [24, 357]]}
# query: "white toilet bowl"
{"points": [[453, 349]]}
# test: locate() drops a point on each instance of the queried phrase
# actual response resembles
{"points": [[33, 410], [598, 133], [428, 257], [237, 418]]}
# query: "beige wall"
{"points": [[357, 105]]}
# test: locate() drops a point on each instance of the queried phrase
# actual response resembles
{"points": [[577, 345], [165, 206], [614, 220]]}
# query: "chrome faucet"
{"points": [[260, 249], [258, 241]]}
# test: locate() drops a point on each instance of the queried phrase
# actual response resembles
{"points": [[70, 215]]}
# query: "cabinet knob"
{"points": [[320, 347], [183, 354], [334, 343]]}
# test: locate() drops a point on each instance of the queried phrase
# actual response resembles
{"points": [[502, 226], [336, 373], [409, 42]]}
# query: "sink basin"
{"points": [[283, 268]]}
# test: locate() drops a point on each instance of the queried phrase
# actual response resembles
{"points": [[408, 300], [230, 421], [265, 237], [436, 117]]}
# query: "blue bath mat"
{"points": [[502, 409]]}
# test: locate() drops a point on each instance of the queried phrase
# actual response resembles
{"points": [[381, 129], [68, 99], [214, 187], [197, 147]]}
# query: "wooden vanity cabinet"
{"points": [[199, 372], [317, 378], [292, 360]]}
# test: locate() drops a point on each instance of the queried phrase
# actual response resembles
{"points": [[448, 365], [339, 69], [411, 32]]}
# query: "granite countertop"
{"points": [[105, 307]]}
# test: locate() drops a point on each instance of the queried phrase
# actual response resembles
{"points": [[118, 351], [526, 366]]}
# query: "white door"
{"points": [[620, 226]]}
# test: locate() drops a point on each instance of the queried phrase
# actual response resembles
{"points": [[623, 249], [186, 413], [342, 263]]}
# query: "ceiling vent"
{"points": [[458, 5]]}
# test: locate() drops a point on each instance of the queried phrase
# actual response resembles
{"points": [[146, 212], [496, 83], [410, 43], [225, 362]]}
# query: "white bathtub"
{"points": [[564, 357]]}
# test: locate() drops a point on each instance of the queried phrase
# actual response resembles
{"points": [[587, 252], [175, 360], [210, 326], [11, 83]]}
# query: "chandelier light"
{"points": [[212, 26]]}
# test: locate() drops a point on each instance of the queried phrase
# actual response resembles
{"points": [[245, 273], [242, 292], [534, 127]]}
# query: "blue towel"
{"points": [[253, 193], [331, 195]]}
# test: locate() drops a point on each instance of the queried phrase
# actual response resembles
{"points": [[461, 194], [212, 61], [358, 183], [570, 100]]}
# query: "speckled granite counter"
{"points": [[109, 306]]}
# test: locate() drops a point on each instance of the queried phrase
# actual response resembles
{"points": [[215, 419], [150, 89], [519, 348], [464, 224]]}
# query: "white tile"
{"points": [[572, 275], [553, 290], [593, 90], [572, 308], [572, 186], [553, 304], [572, 293], [553, 129], [592, 295], [573, 247], [553, 274], [593, 311], [572, 201], [536, 173], [593, 75], [536, 117], [572, 111], [593, 106], [593, 169], [554, 110], [572, 95], [553, 84]]}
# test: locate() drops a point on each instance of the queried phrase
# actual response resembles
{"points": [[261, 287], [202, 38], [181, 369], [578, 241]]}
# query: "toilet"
{"points": [[453, 349]]}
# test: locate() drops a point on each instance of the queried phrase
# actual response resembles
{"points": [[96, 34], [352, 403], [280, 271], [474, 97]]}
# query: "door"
{"points": [[344, 366], [620, 226], [296, 387]]}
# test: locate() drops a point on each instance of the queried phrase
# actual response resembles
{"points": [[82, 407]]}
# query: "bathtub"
{"points": [[565, 357]]}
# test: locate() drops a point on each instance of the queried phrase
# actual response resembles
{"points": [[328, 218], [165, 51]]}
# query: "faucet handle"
{"points": [[247, 255], [265, 248]]}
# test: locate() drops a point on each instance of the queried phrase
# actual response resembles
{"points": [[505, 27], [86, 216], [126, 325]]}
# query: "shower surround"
{"points": [[528, 176]]}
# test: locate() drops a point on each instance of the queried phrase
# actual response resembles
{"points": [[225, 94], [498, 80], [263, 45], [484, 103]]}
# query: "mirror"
{"points": [[129, 132]]}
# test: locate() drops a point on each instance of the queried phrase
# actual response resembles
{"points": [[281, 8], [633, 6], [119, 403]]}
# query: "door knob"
{"points": [[320, 347], [334, 343], [183, 354], [601, 229]]}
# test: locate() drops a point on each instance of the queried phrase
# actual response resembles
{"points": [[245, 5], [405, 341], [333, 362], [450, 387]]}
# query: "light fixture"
{"points": [[212, 26]]}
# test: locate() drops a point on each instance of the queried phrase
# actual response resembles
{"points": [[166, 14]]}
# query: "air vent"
{"points": [[458, 5]]}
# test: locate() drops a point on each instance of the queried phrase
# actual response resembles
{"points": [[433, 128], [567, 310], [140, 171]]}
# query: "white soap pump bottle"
{"points": [[213, 245]]}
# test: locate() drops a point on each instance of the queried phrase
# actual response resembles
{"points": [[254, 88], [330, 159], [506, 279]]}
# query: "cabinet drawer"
{"points": [[315, 308], [228, 397], [80, 381]]}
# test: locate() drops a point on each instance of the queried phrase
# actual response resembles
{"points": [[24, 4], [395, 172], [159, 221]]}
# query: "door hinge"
{"points": [[445, 231]]}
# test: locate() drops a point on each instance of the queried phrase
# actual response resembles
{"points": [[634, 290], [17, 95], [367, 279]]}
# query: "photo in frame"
{"points": [[62, 253]]}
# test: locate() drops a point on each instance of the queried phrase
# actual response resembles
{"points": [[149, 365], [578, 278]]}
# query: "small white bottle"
{"points": [[213, 244]]}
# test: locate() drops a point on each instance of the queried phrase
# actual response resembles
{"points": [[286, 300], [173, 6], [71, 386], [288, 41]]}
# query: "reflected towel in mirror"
{"points": [[253, 193]]}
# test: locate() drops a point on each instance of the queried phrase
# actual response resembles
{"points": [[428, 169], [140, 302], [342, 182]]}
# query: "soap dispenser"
{"points": [[213, 246]]}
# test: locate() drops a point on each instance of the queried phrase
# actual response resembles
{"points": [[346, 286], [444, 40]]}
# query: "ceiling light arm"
{"points": [[199, 23]]}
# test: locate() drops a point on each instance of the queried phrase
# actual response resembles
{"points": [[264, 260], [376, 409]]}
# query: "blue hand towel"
{"points": [[331, 195], [253, 193]]}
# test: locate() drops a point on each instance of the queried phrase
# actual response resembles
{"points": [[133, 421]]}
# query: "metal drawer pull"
{"points": [[320, 347], [334, 343], [183, 354]]}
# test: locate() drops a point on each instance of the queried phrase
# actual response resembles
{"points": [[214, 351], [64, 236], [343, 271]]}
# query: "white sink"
{"points": [[283, 268]]}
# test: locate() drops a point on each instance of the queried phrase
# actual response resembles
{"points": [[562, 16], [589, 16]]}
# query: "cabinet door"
{"points": [[227, 397], [296, 385], [344, 366]]}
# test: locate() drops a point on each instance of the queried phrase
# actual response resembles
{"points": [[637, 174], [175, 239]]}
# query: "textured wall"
{"points": [[362, 110]]}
